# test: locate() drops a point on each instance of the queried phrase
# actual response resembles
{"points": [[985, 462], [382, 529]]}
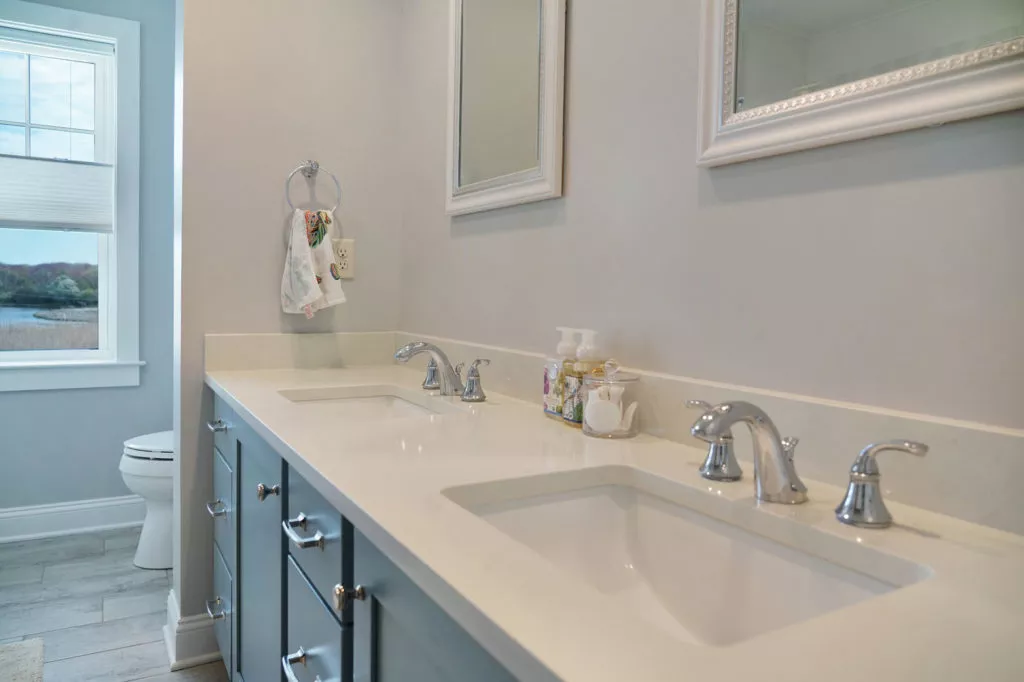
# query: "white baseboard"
{"points": [[190, 641], [69, 518]]}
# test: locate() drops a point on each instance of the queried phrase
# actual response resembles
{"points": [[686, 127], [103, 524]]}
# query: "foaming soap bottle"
{"points": [[588, 359], [554, 373]]}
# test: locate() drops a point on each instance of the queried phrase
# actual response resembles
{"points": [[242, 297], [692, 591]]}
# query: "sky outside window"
{"points": [[32, 247]]}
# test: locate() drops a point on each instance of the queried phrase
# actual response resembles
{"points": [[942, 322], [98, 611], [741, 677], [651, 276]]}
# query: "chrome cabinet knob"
{"points": [[216, 508], [263, 490], [720, 463], [344, 596], [863, 505], [318, 539], [215, 609], [218, 426], [290, 660]]}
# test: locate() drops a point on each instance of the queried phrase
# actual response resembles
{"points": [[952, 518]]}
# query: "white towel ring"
{"points": [[309, 170]]}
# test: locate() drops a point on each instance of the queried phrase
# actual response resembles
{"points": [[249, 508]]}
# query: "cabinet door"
{"points": [[221, 609], [403, 636], [319, 647], [259, 575], [222, 507]]}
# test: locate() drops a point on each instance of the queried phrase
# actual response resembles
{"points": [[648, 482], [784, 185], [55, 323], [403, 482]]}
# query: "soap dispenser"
{"points": [[554, 373], [588, 359]]}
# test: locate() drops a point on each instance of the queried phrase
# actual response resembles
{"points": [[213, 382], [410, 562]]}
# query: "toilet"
{"points": [[147, 467]]}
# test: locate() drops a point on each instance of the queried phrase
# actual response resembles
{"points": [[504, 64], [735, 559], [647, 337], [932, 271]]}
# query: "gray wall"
{"points": [[885, 272], [265, 85], [58, 446]]}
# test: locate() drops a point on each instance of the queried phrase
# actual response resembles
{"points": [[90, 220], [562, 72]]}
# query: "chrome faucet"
{"points": [[450, 381], [775, 477]]}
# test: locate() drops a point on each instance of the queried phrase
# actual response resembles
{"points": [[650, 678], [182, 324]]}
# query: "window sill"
{"points": [[59, 376]]}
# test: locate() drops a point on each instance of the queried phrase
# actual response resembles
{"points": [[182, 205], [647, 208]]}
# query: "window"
{"points": [[69, 152]]}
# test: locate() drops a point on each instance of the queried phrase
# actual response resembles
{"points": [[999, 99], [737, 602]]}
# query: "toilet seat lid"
{"points": [[151, 446]]}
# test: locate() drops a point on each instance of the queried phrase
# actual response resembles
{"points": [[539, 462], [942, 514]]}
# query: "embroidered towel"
{"points": [[311, 280]]}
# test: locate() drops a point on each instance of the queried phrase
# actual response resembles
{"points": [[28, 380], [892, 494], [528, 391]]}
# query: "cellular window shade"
{"points": [[56, 195]]}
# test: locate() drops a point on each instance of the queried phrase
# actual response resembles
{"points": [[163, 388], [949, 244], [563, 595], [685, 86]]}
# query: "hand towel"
{"points": [[311, 280]]}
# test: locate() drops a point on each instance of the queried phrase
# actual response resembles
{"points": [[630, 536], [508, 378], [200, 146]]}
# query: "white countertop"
{"points": [[966, 622]]}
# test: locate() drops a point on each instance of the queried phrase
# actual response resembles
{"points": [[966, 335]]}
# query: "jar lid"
{"points": [[609, 373]]}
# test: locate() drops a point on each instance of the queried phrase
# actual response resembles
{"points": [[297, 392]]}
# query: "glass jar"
{"points": [[609, 405]]}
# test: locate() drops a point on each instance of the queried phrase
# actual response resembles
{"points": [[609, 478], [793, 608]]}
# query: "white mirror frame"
{"points": [[984, 81], [537, 184]]}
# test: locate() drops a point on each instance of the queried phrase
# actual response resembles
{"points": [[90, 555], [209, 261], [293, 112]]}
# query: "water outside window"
{"points": [[49, 290]]}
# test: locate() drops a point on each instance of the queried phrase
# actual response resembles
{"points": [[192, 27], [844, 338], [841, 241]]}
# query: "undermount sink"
{"points": [[665, 552], [369, 403]]}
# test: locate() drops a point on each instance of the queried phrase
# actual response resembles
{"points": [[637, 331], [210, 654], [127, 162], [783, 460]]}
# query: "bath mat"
{"points": [[22, 661]]}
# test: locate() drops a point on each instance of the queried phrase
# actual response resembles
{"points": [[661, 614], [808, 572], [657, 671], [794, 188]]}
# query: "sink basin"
{"points": [[704, 569], [369, 403]]}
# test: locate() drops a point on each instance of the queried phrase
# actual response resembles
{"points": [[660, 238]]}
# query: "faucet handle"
{"points": [[474, 392], [705, 406], [863, 505], [720, 463], [432, 382], [866, 465]]}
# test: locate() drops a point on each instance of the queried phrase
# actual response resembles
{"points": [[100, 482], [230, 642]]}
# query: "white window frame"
{"points": [[117, 362]]}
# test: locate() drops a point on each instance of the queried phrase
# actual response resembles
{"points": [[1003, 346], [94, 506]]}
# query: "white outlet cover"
{"points": [[345, 257]]}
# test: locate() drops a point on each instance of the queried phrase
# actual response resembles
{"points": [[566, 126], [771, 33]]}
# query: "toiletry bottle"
{"points": [[588, 359], [554, 373]]}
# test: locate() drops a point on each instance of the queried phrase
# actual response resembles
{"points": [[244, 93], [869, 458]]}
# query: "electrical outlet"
{"points": [[345, 257]]}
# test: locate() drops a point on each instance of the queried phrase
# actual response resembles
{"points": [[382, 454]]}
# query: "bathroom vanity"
{"points": [[366, 529], [290, 575]]}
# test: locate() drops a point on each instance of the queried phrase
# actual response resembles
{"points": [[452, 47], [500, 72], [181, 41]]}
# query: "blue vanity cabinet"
{"points": [[401, 635], [290, 573], [260, 603]]}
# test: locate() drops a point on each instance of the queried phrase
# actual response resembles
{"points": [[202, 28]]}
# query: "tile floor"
{"points": [[100, 617]]}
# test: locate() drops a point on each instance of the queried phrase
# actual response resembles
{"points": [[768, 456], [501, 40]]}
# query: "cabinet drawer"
{"points": [[319, 540], [222, 508], [220, 609], [318, 647], [223, 427]]}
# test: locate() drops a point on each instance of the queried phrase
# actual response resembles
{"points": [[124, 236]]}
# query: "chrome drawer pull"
{"points": [[218, 426], [344, 596], [216, 508], [291, 659], [263, 490], [215, 615], [289, 526]]}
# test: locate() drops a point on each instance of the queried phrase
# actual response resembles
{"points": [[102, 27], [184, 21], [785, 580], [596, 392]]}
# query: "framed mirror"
{"points": [[778, 76], [506, 92]]}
